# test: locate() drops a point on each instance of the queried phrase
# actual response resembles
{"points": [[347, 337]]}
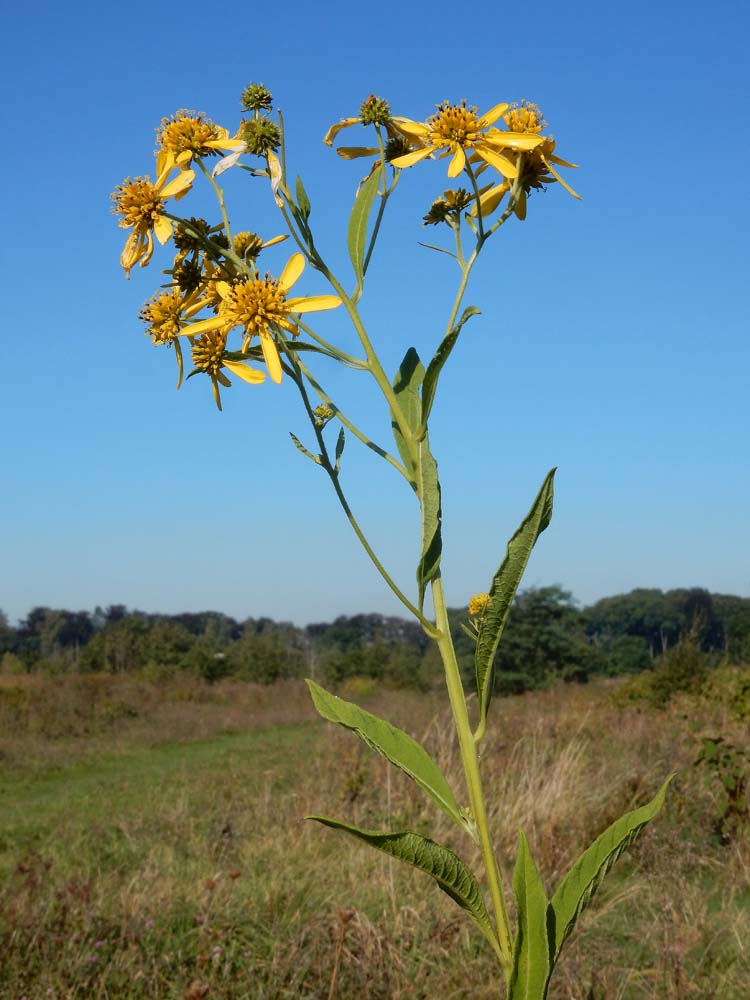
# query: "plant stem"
{"points": [[333, 475], [470, 763]]}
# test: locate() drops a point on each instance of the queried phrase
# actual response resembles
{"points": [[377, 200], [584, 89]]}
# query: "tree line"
{"points": [[547, 636]]}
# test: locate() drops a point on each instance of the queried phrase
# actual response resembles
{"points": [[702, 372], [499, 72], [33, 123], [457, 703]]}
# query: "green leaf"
{"points": [[448, 870], [436, 365], [394, 744], [428, 488], [577, 889], [303, 202], [357, 233], [308, 454], [431, 246], [340, 441], [406, 387], [503, 590], [531, 968]]}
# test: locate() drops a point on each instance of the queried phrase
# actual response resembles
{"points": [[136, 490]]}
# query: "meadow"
{"points": [[153, 845]]}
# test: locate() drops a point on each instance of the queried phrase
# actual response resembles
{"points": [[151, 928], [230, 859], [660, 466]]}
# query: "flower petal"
{"points": [[493, 114], [274, 172], [557, 177], [163, 229], [334, 130], [232, 145], [182, 182], [458, 162], [271, 356], [512, 140], [245, 372], [501, 163], [352, 152], [313, 303], [409, 159], [561, 162], [413, 128], [292, 270], [226, 162], [276, 239], [202, 326]]}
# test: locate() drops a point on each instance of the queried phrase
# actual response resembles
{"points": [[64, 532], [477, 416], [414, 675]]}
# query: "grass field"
{"points": [[152, 845]]}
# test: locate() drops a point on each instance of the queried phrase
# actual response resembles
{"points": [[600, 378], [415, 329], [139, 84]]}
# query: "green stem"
{"points": [[470, 762], [333, 476], [347, 423], [220, 196]]}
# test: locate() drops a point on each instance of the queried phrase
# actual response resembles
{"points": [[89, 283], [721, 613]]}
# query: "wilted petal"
{"points": [[274, 172], [353, 152], [334, 130], [226, 162]]}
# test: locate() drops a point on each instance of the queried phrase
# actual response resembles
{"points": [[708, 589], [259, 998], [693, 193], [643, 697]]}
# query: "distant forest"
{"points": [[548, 637]]}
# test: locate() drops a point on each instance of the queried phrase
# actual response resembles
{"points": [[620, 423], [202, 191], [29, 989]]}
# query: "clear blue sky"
{"points": [[613, 340]]}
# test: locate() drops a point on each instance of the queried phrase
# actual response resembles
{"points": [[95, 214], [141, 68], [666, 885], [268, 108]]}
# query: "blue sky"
{"points": [[613, 340]]}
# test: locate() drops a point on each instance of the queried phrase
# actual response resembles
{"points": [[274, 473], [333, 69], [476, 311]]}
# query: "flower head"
{"points": [[261, 307], [165, 314], [373, 111], [209, 356], [261, 135], [189, 134], [478, 604], [535, 169], [256, 97], [140, 202], [447, 208], [459, 131]]}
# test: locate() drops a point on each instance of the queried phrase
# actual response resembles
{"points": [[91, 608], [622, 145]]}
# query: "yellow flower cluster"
{"points": [[522, 156], [211, 273]]}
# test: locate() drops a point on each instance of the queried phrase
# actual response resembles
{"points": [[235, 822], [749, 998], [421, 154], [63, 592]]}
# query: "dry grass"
{"points": [[159, 851]]}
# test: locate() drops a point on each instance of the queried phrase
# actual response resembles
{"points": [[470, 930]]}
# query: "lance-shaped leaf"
{"points": [[303, 202], [300, 447], [340, 441], [393, 743], [448, 870], [358, 220], [436, 365], [530, 971], [428, 488], [406, 387], [503, 590], [577, 888]]}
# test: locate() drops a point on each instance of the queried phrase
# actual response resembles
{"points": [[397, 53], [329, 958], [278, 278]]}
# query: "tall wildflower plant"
{"points": [[238, 320]]}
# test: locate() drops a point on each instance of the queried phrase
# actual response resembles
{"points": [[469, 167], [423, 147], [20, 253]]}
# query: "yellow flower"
{"points": [[188, 134], [535, 168], [140, 202], [207, 352], [478, 604], [448, 207], [456, 130], [260, 307], [373, 111], [165, 314]]}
